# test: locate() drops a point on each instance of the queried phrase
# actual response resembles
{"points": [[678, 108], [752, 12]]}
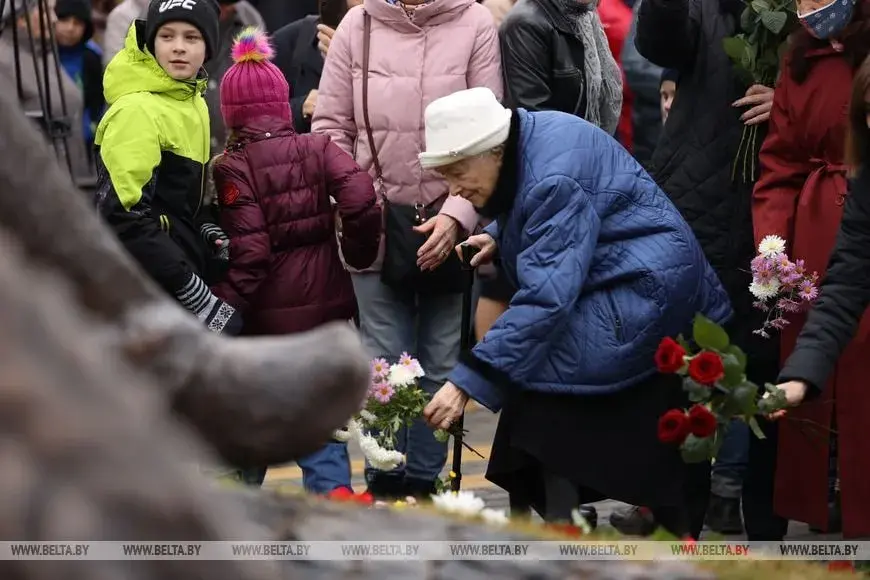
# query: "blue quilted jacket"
{"points": [[604, 265]]}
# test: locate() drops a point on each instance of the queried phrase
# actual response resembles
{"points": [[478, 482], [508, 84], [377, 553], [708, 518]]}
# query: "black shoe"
{"points": [[590, 514], [633, 521], [387, 486], [723, 515], [419, 489]]}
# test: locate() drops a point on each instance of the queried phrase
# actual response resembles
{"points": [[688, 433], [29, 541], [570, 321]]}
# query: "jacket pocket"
{"points": [[617, 318]]}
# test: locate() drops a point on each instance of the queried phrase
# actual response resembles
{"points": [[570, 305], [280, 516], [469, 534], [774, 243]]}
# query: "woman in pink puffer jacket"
{"points": [[420, 51]]}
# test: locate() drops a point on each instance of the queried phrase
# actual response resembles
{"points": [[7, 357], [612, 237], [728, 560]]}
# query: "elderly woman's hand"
{"points": [[483, 242], [760, 98], [443, 232], [446, 406], [795, 392]]}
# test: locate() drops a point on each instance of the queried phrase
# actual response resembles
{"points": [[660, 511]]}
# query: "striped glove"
{"points": [[216, 239], [217, 315]]}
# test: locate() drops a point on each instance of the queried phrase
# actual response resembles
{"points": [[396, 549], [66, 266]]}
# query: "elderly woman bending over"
{"points": [[605, 267]]}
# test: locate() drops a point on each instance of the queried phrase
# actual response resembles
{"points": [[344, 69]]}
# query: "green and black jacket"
{"points": [[153, 144]]}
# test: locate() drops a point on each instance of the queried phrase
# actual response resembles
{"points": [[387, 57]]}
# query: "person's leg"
{"points": [[727, 476], [438, 332], [762, 524], [561, 497], [326, 469], [687, 519], [387, 329]]}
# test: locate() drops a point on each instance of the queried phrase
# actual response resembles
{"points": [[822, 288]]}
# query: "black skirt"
{"points": [[605, 444]]}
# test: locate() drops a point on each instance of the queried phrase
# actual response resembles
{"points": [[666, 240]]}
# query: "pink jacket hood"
{"points": [[444, 47], [431, 14]]}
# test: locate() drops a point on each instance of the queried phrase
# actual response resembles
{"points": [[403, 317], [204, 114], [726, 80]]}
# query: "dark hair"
{"points": [[332, 11], [858, 134], [855, 39]]}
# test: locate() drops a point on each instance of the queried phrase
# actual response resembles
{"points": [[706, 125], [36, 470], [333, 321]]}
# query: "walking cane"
{"points": [[465, 345]]}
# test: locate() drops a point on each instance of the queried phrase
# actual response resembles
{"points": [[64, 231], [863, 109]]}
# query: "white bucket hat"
{"points": [[462, 125]]}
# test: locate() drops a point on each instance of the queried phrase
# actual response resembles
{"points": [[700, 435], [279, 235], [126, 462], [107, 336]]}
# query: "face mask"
{"points": [[828, 21]]}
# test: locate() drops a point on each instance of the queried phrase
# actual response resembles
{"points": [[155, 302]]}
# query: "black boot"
{"points": [[420, 489], [633, 521], [387, 486], [723, 515], [590, 514]]}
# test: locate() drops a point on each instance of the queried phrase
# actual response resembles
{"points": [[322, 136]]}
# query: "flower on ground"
{"points": [[340, 494], [579, 521], [402, 376], [764, 290], [702, 423], [771, 245], [383, 393], [669, 356], [673, 427], [462, 503], [706, 368], [494, 517]]}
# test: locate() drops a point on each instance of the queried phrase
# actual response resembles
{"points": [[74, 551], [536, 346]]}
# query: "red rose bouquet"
{"points": [[714, 376]]}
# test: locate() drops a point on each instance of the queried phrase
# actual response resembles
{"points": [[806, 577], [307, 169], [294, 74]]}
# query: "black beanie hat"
{"points": [[204, 14], [80, 9]]}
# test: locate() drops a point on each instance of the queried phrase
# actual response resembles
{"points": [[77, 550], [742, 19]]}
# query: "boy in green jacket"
{"points": [[153, 144]]}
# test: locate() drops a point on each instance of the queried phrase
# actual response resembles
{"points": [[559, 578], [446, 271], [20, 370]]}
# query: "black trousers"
{"points": [[759, 519], [562, 496]]}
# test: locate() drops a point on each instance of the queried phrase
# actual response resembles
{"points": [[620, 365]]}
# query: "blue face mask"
{"points": [[829, 21]]}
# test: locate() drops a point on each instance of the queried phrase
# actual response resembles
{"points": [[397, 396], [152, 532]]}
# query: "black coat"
{"points": [[280, 13], [694, 159], [845, 295], [542, 59], [298, 57], [92, 88]]}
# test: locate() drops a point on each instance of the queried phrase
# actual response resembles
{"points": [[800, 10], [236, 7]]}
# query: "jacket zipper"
{"points": [[616, 320], [207, 148]]}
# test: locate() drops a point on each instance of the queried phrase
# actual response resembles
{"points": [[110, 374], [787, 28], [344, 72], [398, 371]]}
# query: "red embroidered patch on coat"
{"points": [[229, 194]]}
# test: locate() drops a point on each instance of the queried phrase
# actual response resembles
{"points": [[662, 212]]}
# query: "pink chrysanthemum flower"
{"points": [[783, 264], [808, 292], [765, 273], [799, 267], [381, 367], [383, 393]]}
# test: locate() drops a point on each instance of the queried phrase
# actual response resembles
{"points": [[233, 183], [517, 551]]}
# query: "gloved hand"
{"points": [[217, 315], [217, 239]]}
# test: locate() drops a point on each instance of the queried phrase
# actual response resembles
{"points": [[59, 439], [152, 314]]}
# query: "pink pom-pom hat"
{"points": [[253, 87]]}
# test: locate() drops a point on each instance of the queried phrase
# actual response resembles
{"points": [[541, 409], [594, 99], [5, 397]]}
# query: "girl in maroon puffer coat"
{"points": [[274, 188]]}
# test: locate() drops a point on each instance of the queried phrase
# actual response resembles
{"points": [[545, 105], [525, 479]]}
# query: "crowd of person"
{"points": [[279, 165]]}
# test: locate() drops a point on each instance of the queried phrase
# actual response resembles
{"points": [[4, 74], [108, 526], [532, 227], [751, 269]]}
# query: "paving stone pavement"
{"points": [[481, 424]]}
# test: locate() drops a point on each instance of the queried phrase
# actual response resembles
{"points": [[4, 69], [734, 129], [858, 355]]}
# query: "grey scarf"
{"points": [[603, 77]]}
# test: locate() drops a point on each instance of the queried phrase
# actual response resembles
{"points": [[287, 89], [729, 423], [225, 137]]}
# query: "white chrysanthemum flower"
{"points": [[771, 245], [341, 435], [578, 520], [494, 517], [367, 416], [462, 503], [378, 457], [402, 376], [765, 291]]}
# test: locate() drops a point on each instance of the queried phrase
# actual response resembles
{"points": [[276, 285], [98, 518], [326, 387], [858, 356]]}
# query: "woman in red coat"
{"points": [[800, 197], [274, 188]]}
